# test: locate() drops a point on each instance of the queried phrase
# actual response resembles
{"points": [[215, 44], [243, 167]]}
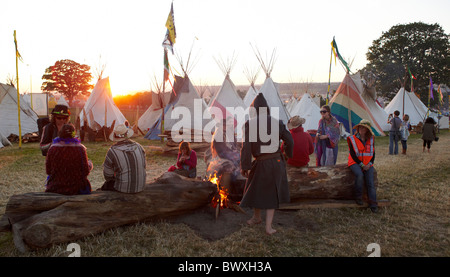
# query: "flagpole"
{"points": [[162, 102], [329, 75], [18, 93]]}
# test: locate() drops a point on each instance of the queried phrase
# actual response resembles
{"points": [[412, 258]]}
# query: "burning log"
{"points": [[39, 220]]}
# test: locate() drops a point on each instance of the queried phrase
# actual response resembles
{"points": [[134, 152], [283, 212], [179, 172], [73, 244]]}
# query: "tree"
{"points": [[68, 78], [422, 48]]}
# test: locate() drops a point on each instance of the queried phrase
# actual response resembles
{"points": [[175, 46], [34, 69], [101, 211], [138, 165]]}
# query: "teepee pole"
{"points": [[18, 94]]}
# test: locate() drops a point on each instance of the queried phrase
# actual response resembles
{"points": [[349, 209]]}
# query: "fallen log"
{"points": [[39, 220], [327, 182], [328, 203]]}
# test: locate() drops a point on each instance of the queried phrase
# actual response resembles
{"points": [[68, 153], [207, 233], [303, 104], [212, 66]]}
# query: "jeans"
{"points": [[362, 175], [404, 144], [393, 143]]}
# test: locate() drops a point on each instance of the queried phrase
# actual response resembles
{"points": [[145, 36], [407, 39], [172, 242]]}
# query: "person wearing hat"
{"points": [[124, 165], [60, 116], [267, 185], [303, 143], [360, 160]]}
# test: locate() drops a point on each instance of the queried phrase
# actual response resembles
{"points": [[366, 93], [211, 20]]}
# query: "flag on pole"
{"points": [[171, 34], [410, 74], [440, 95], [337, 54], [17, 50], [166, 66], [431, 89]]}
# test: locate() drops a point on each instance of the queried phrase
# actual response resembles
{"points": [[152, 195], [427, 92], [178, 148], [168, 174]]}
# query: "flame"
{"points": [[222, 197]]}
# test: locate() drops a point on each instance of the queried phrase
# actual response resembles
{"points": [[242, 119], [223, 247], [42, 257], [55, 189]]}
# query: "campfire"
{"points": [[222, 200]]}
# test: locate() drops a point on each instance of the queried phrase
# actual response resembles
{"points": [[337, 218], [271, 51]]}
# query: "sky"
{"points": [[126, 36]]}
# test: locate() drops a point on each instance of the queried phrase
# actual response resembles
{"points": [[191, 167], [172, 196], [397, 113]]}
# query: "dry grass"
{"points": [[416, 223]]}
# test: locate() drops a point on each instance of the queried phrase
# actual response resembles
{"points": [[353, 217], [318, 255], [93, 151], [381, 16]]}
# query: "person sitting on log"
{"points": [[361, 159], [303, 143], [186, 161], [67, 164], [124, 165], [60, 116]]}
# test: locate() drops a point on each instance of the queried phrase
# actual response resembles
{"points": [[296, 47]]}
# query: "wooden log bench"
{"points": [[39, 219]]}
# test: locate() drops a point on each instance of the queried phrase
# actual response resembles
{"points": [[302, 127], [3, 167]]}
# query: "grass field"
{"points": [[415, 224]]}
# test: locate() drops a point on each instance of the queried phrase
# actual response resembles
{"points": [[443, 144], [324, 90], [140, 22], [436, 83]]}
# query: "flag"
{"points": [[440, 96], [337, 54], [166, 66], [431, 89], [171, 34], [410, 74], [17, 51]]}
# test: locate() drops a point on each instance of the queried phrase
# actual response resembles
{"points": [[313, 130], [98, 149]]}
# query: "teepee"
{"points": [[185, 102], [407, 103], [307, 109], [349, 108], [9, 123], [252, 91], [62, 101], [227, 102], [100, 110], [270, 91]]}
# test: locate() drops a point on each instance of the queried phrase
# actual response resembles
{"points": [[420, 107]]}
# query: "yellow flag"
{"points": [[170, 25], [17, 51]]}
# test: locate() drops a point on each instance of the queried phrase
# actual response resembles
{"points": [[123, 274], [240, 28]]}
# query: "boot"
{"points": [[404, 151]]}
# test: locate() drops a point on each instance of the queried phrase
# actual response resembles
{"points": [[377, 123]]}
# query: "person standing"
{"points": [[404, 129], [360, 160], [327, 138], [59, 117], [124, 165], [67, 164], [267, 185], [428, 133], [303, 143], [394, 132]]}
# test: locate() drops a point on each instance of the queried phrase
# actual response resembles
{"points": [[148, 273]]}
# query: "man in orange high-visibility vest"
{"points": [[360, 160]]}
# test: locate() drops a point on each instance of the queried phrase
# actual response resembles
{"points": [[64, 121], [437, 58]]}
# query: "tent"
{"points": [[9, 114], [62, 101], [4, 141], [307, 109], [369, 94], [252, 91], [186, 103], [151, 115], [408, 103], [349, 108], [405, 103], [270, 91], [227, 100], [100, 110], [292, 102], [38, 103]]}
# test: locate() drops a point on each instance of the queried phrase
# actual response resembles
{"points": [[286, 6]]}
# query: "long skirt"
{"points": [[267, 185]]}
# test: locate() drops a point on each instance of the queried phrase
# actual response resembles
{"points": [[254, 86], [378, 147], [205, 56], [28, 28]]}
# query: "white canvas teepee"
{"points": [[62, 101], [227, 100], [185, 108], [405, 103], [252, 91], [9, 123], [151, 115], [100, 109], [307, 109], [270, 91], [292, 102]]}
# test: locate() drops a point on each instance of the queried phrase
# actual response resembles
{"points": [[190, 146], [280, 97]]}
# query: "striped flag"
{"points": [[440, 95]]}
